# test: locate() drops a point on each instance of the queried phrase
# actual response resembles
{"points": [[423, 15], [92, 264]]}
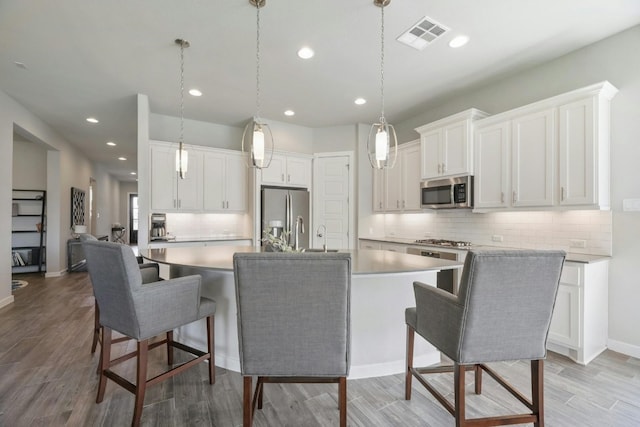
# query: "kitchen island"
{"points": [[381, 289]]}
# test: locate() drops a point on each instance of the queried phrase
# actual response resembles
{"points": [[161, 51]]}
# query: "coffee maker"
{"points": [[158, 229]]}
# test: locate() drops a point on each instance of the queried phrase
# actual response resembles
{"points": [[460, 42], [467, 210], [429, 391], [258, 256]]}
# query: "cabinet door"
{"points": [[491, 164], [410, 163], [430, 148], [214, 182], [190, 188], [565, 323], [532, 158], [298, 171], [163, 179], [236, 180], [393, 188], [378, 190], [276, 172], [577, 153], [455, 153]]}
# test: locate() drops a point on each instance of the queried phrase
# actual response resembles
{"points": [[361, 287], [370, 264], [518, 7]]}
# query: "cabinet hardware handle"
{"points": [[397, 203], [502, 197], [289, 178], [515, 197], [439, 168], [403, 204], [561, 193], [223, 204], [174, 203], [444, 167], [380, 205], [282, 177]]}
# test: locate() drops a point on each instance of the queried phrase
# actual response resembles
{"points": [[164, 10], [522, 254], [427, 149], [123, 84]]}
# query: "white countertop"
{"points": [[571, 257]]}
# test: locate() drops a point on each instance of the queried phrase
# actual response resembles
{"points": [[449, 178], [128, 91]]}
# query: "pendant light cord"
{"points": [[257, 61], [382, 119], [181, 98]]}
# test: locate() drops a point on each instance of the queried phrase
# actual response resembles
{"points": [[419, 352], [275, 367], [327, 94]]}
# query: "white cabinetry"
{"points": [[447, 145], [553, 153], [515, 160], [402, 182], [225, 182], [378, 190], [287, 170], [216, 180], [369, 244], [393, 247], [579, 326], [169, 193]]}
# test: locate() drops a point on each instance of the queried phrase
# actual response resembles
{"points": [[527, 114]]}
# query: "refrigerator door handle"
{"points": [[287, 219]]}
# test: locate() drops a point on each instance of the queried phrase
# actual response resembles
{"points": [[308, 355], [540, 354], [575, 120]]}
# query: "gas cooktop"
{"points": [[444, 242]]}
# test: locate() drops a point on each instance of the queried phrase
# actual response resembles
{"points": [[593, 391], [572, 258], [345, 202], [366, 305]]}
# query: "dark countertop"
{"points": [[571, 256]]}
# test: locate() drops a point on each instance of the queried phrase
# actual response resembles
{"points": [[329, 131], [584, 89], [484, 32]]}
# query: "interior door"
{"points": [[331, 202]]}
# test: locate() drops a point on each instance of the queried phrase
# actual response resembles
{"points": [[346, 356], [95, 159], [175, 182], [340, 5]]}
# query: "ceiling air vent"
{"points": [[423, 33]]}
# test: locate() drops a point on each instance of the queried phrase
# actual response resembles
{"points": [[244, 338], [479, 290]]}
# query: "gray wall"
{"points": [[614, 59]]}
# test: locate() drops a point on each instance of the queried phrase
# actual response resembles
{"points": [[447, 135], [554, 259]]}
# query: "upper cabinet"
{"points": [[447, 145], [216, 180], [170, 193], [225, 182], [553, 153], [288, 171], [400, 184]]}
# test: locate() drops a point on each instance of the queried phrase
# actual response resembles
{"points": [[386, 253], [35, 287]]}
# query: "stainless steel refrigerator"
{"points": [[288, 207]]}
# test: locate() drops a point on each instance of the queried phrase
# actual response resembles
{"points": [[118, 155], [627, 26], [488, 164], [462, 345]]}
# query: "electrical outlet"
{"points": [[577, 243], [497, 238]]}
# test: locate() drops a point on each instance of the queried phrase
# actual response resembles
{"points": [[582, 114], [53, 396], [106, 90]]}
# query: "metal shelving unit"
{"points": [[28, 231]]}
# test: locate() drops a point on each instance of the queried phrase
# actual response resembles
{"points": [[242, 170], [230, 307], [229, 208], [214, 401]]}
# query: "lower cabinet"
{"points": [[579, 326]]}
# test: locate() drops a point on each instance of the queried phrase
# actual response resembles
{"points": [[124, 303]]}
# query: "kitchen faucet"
{"points": [[323, 234], [299, 229]]}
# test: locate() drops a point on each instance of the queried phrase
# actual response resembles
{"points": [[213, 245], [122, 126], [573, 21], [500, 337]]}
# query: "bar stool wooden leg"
{"points": [[105, 361], [141, 381], [342, 401], [408, 375], [170, 348], [96, 327], [247, 402], [210, 349]]}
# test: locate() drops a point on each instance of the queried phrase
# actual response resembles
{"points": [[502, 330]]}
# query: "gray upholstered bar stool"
{"points": [[502, 312], [293, 322], [141, 313]]}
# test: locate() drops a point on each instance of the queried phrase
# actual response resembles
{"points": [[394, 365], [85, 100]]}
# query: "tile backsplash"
{"points": [[185, 225], [585, 232]]}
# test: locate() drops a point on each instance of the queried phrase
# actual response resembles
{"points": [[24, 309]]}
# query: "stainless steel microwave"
{"points": [[448, 193]]}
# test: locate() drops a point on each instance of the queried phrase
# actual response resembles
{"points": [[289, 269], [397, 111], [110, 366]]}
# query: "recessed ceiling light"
{"points": [[289, 113], [111, 144], [195, 92], [306, 53], [122, 158], [459, 41], [360, 101], [133, 173], [92, 120]]}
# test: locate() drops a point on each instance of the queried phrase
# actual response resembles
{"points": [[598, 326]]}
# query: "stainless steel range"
{"points": [[448, 280], [444, 242]]}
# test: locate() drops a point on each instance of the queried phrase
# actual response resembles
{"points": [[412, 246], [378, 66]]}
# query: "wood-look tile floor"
{"points": [[48, 378]]}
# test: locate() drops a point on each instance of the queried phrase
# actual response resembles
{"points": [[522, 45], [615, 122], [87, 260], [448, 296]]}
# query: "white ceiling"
{"points": [[90, 58]]}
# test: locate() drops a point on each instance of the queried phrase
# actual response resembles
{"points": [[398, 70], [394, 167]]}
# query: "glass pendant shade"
{"points": [[257, 144], [382, 146], [182, 161]]}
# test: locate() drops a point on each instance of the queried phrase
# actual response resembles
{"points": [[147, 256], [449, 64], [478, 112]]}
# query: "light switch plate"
{"points": [[497, 238], [578, 243]]}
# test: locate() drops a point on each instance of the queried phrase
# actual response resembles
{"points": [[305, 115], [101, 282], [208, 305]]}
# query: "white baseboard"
{"points": [[6, 301], [55, 273], [624, 348]]}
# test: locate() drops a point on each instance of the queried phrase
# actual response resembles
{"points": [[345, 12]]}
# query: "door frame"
{"points": [[352, 206], [130, 196]]}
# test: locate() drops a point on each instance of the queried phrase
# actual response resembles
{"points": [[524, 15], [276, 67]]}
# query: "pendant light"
{"points": [[382, 143], [257, 140], [182, 157]]}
